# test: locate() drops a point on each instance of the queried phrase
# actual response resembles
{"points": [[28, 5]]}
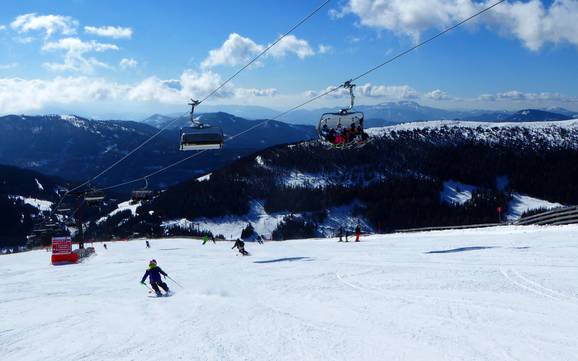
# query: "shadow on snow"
{"points": [[288, 259], [462, 249]]}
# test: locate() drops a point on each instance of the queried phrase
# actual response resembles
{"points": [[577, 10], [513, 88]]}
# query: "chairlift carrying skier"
{"points": [[154, 273]]}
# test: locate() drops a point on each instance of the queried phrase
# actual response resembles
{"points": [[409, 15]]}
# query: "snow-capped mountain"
{"points": [[77, 148], [395, 181]]}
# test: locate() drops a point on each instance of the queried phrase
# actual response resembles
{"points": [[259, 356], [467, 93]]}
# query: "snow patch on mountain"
{"points": [[232, 226], [128, 205], [41, 205], [456, 192], [305, 180], [522, 203], [40, 187], [205, 178]]}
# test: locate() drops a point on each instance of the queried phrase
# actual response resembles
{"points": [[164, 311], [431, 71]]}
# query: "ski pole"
{"points": [[178, 284], [150, 289]]}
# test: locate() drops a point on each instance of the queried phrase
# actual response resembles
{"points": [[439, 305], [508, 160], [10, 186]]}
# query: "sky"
{"points": [[96, 58]]}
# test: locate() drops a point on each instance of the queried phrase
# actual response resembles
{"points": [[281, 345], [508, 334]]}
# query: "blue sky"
{"points": [[84, 56]]}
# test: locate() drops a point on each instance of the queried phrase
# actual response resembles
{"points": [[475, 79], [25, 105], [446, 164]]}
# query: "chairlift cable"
{"points": [[106, 170], [345, 84], [266, 50], [447, 30]]}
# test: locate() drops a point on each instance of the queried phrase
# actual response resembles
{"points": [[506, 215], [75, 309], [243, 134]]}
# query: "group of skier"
{"points": [[343, 135], [341, 232], [154, 272]]}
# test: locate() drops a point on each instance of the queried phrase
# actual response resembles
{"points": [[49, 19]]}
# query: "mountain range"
{"points": [[397, 180], [76, 148]]}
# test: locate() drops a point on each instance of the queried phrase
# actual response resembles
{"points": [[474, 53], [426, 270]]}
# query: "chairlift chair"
{"points": [[331, 124], [143, 194], [93, 197], [200, 136]]}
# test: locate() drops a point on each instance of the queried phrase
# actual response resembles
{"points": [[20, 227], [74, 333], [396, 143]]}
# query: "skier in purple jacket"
{"points": [[154, 273]]}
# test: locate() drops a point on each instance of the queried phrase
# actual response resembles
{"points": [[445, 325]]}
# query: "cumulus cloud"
{"points": [[400, 92], [23, 95], [75, 58], [324, 49], [237, 50], [234, 51], [127, 63], [255, 92], [368, 90], [437, 94], [49, 24], [532, 22], [291, 45], [115, 32], [2, 27], [518, 96]]}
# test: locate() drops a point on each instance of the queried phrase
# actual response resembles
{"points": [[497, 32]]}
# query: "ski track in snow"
{"points": [[511, 296]]}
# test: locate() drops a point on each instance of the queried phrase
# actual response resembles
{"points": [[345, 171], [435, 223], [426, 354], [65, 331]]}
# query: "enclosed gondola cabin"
{"points": [[201, 138]]}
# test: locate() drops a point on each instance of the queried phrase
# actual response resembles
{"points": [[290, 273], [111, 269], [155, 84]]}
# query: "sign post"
{"points": [[62, 251]]}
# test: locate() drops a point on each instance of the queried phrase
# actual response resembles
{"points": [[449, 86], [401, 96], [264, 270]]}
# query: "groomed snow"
{"points": [[506, 293]]}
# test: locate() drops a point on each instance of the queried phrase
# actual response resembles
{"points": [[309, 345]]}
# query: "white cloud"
{"points": [[437, 94], [115, 32], [291, 45], [368, 90], [399, 92], [2, 27], [255, 92], [22, 95], [49, 24], [75, 51], [8, 66], [531, 22], [237, 50], [23, 39], [324, 49], [234, 51], [518, 96], [128, 63]]}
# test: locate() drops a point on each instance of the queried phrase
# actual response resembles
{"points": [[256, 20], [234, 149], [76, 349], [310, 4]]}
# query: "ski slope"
{"points": [[505, 293]]}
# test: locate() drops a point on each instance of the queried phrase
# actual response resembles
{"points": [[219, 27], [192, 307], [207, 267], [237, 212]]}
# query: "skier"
{"points": [[155, 272], [105, 247], [148, 244], [205, 239], [260, 239], [213, 239], [240, 245], [340, 233], [357, 232]]}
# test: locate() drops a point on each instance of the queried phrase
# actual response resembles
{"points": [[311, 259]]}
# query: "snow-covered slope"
{"points": [[522, 203], [555, 133], [507, 293]]}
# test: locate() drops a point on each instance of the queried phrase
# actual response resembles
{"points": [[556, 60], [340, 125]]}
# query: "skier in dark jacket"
{"points": [[148, 244], [154, 273], [340, 234], [240, 245]]}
